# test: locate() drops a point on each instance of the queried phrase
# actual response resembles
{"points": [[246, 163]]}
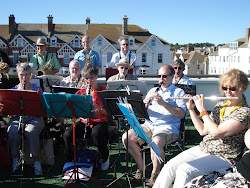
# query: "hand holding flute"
{"points": [[155, 96]]}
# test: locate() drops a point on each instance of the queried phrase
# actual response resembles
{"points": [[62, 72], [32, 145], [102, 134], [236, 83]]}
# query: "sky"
{"points": [[176, 21]]}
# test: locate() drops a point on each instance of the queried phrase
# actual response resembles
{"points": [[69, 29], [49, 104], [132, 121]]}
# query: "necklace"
{"points": [[222, 111]]}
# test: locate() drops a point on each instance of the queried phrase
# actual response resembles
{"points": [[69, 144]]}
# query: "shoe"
{"points": [[105, 165], [38, 168], [138, 175], [152, 179], [15, 163]]}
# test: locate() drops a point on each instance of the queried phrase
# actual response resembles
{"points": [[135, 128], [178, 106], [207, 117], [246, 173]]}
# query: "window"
{"points": [[153, 43], [220, 59], [143, 71], [131, 42], [214, 69], [29, 56], [99, 42], [53, 43], [249, 59], [160, 56], [19, 42], [238, 59], [77, 43], [66, 59], [234, 59], [211, 70], [198, 66], [144, 57], [233, 46], [224, 58], [227, 59], [109, 56], [15, 57]]}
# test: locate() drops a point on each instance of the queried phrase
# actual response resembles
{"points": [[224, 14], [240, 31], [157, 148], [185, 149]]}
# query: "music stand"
{"points": [[131, 84], [63, 89], [109, 99], [70, 105], [49, 80], [16, 102]]}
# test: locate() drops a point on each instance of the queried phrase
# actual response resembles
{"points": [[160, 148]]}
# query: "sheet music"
{"points": [[127, 110]]}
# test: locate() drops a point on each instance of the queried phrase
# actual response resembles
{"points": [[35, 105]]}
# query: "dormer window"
{"points": [[99, 42], [153, 42], [19, 42], [131, 42], [76, 43], [233, 46]]}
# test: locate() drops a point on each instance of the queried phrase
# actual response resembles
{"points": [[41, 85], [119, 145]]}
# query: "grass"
{"points": [[52, 175]]}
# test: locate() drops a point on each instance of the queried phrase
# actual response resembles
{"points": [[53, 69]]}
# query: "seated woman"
{"points": [[98, 127], [74, 75], [32, 125], [237, 176], [223, 133]]}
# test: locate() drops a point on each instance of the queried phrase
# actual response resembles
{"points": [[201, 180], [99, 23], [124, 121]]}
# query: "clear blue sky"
{"points": [[176, 21]]}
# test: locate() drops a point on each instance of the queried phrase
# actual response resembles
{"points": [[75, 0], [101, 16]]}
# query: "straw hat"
{"points": [[123, 62], [41, 42]]}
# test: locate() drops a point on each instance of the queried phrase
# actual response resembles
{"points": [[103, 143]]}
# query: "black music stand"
{"points": [[69, 105], [16, 102], [63, 89], [109, 99]]}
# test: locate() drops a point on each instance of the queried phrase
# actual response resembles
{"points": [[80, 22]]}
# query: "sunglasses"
{"points": [[177, 68], [126, 68], [125, 44], [230, 88], [164, 76]]}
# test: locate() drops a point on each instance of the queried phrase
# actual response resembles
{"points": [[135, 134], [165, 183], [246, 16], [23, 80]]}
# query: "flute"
{"points": [[207, 98]]}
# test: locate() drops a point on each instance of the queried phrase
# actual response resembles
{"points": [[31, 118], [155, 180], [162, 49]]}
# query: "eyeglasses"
{"points": [[90, 78], [164, 76], [125, 44], [180, 68], [224, 88], [126, 68]]}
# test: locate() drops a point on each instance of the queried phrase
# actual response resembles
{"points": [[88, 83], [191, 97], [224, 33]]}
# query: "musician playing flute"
{"points": [[42, 57], [223, 132], [32, 125], [166, 117], [83, 55]]}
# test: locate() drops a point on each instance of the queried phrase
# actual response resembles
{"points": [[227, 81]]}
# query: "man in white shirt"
{"points": [[124, 53]]}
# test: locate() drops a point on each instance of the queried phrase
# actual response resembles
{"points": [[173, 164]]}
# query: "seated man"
{"points": [[123, 67], [165, 114], [75, 75], [179, 77]]}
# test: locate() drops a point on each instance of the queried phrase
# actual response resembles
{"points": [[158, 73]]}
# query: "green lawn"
{"points": [[52, 175]]}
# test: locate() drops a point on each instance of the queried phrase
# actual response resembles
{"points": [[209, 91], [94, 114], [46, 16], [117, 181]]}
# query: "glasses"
{"points": [[126, 68], [164, 76], [125, 44], [90, 78], [224, 88], [180, 68]]}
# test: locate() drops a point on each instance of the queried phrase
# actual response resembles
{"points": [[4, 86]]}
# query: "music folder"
{"points": [[63, 89]]}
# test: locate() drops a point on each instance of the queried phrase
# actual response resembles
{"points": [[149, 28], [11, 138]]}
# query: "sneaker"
{"points": [[105, 165], [152, 179], [37, 168], [138, 175], [15, 163]]}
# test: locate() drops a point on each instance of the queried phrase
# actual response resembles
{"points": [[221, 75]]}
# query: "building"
{"points": [[235, 54], [18, 42]]}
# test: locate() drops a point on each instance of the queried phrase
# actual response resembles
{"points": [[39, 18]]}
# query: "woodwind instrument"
{"points": [[133, 62], [87, 61], [157, 89], [207, 98], [46, 66]]}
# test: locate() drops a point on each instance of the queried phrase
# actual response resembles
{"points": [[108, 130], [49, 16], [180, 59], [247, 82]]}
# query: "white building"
{"points": [[235, 54]]}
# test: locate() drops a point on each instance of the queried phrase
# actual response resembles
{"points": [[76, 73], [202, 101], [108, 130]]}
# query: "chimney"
{"points": [[190, 49], [125, 25], [12, 23], [88, 20], [50, 24], [247, 35]]}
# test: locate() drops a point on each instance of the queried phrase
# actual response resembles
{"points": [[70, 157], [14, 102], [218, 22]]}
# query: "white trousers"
{"points": [[188, 165]]}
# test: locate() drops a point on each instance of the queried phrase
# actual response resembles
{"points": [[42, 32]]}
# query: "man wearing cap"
{"points": [[42, 57], [123, 74], [82, 55], [124, 53]]}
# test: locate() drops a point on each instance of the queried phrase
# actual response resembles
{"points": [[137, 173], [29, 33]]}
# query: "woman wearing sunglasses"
{"points": [[123, 67], [223, 132]]}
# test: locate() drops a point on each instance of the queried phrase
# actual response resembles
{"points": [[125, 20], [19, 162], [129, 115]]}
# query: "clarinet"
{"points": [[156, 90], [88, 90], [24, 84]]}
